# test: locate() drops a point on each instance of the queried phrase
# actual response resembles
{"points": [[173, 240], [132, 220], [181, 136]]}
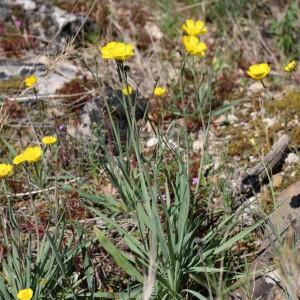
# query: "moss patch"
{"points": [[239, 144], [289, 105], [12, 84], [295, 137]]}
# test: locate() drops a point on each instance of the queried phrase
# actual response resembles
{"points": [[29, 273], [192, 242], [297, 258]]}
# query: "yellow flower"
{"points": [[30, 154], [291, 66], [49, 140], [259, 71], [19, 159], [5, 170], [193, 45], [25, 294], [117, 50], [252, 141], [127, 90], [30, 81], [159, 91], [191, 27]]}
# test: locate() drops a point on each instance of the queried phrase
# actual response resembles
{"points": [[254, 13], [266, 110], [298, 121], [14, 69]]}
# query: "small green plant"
{"points": [[174, 251], [169, 21], [287, 30], [46, 266], [163, 216], [229, 8]]}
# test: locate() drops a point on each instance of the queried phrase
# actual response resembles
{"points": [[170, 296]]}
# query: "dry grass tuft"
{"points": [[67, 52], [3, 117]]}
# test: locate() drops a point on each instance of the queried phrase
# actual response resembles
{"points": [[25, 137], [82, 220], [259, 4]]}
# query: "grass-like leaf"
{"points": [[118, 256]]}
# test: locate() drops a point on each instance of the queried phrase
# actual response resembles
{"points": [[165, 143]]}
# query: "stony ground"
{"points": [[58, 42]]}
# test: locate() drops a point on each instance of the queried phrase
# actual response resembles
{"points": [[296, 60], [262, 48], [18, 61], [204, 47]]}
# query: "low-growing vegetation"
{"points": [[122, 184]]}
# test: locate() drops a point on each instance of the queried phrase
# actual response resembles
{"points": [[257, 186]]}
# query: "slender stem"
{"points": [[184, 108], [43, 108], [271, 98], [36, 219], [119, 68], [267, 90]]}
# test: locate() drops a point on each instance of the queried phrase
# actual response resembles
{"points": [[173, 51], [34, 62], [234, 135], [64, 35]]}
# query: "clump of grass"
{"points": [[286, 30], [290, 104], [159, 226]]}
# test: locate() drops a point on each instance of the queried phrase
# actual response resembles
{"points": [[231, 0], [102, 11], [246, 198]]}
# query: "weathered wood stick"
{"points": [[244, 184]]}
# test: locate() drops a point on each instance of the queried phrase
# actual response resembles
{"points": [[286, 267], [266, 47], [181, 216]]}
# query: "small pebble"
{"points": [[292, 158], [277, 180], [152, 142]]}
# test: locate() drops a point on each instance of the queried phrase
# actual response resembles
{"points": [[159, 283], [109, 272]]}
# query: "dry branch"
{"points": [[245, 183]]}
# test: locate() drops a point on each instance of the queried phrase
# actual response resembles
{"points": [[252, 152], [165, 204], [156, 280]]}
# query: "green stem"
{"points": [[267, 90]]}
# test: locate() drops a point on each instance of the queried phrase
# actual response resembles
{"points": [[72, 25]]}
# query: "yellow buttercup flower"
{"points": [[252, 141], [127, 90], [117, 50], [25, 294], [19, 159], [259, 71], [291, 66], [191, 27], [5, 170], [30, 155], [159, 91], [49, 140], [193, 45], [30, 81]]}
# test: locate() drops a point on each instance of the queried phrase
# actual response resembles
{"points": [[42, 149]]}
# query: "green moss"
{"points": [[12, 84], [287, 108], [289, 105], [295, 137], [238, 147], [239, 144]]}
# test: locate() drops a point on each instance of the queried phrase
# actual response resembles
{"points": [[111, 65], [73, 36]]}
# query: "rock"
{"points": [[26, 4], [284, 255], [152, 142], [226, 119], [197, 145], [285, 222], [256, 87], [91, 113], [270, 122], [288, 210], [199, 142], [231, 118], [49, 23], [95, 112], [292, 158], [54, 81], [47, 83], [12, 68], [220, 120], [277, 180]]}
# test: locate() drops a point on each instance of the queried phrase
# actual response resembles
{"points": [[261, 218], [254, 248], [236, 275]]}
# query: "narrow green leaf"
{"points": [[237, 237], [11, 149], [226, 107], [107, 201], [196, 294], [118, 256]]}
